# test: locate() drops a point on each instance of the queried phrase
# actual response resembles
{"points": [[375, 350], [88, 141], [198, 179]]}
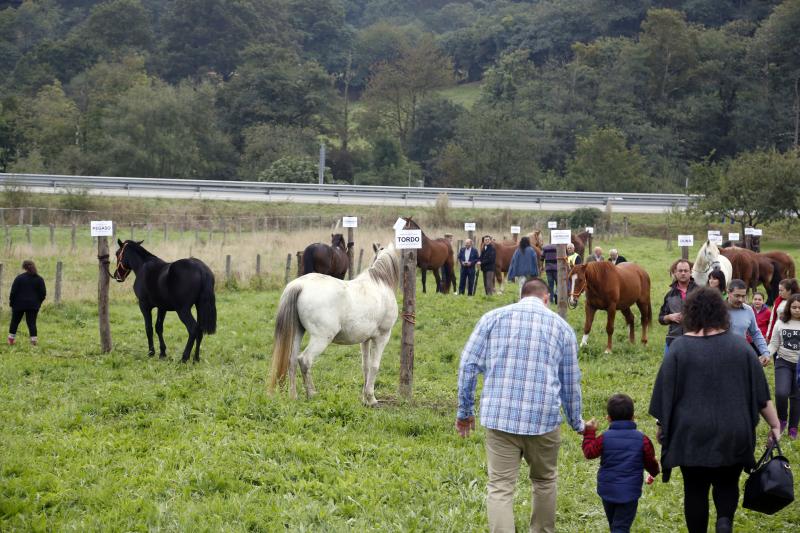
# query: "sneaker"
{"points": [[11, 340], [784, 423], [793, 433], [34, 341]]}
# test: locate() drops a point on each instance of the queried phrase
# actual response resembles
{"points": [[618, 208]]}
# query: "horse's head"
{"points": [[123, 254], [536, 238], [410, 224], [337, 241], [577, 276]]}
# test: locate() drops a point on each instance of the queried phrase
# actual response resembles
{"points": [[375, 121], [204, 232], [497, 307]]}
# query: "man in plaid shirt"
{"points": [[529, 358]]}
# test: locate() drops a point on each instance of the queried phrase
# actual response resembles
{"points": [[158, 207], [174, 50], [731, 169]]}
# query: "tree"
{"points": [[396, 89], [49, 122], [436, 126], [266, 143], [752, 189], [603, 162]]}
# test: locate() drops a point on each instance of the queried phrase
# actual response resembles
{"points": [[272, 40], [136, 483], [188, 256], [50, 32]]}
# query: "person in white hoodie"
{"points": [[785, 347]]}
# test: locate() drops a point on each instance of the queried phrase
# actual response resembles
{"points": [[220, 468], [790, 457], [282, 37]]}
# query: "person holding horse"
{"points": [[597, 255], [785, 348], [706, 400], [487, 262], [550, 253], [524, 263], [670, 313], [28, 291], [467, 257], [529, 358], [743, 321], [615, 258]]}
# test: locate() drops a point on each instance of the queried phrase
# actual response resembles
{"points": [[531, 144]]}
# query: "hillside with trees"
{"points": [[641, 95]]}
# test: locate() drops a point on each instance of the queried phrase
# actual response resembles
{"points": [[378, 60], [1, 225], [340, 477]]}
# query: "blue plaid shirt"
{"points": [[529, 358]]}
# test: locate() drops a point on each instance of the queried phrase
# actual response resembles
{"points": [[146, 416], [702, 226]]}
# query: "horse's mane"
{"points": [[385, 269], [138, 248]]}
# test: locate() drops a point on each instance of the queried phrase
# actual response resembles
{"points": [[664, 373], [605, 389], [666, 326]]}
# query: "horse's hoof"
{"points": [[151, 353], [608, 351]]}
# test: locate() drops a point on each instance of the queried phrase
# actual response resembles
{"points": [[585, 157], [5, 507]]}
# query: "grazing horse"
{"points": [[435, 254], [612, 287], [708, 259], [323, 259], [170, 287], [360, 311]]}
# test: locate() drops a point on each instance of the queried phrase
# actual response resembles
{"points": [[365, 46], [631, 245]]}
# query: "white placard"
{"points": [[515, 230], [757, 232], [733, 236], [469, 226], [560, 236], [590, 230], [716, 239], [748, 231], [552, 224], [685, 240], [349, 222], [399, 224], [406, 239], [102, 228], [712, 232]]}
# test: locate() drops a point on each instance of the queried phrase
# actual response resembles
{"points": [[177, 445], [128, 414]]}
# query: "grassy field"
{"points": [[122, 442]]}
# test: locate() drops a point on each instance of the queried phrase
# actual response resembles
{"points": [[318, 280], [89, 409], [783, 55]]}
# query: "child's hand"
{"points": [[650, 479], [590, 424]]}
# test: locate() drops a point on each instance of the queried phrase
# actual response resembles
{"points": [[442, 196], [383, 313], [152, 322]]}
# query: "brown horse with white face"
{"points": [[612, 288]]}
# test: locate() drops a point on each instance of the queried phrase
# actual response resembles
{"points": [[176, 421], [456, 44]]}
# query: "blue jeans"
{"points": [[620, 515]]}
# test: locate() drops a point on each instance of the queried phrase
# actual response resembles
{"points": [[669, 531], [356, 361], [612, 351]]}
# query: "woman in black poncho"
{"points": [[707, 399], [27, 294]]}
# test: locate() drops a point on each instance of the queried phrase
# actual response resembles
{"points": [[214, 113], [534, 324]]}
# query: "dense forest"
{"points": [[616, 95]]}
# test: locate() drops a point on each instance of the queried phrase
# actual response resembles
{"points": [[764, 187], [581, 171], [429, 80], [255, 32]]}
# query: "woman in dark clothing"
{"points": [[716, 280], [487, 262], [27, 294], [707, 398]]}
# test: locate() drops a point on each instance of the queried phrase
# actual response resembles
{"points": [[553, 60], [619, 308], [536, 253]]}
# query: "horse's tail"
{"points": [[447, 268], [774, 283], [207, 303], [287, 325], [308, 259]]}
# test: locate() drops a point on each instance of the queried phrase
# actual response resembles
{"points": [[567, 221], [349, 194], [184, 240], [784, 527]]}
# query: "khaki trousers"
{"points": [[503, 454]]}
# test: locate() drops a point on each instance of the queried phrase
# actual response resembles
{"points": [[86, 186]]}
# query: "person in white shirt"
{"points": [[785, 347]]}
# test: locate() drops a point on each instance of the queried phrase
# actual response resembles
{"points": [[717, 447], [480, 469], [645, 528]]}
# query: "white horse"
{"points": [[362, 311], [709, 258]]}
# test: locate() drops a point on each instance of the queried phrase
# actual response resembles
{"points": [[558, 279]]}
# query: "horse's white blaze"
{"points": [[572, 299], [585, 339]]}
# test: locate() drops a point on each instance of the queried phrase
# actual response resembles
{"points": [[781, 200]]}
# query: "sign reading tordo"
{"points": [[408, 239]]}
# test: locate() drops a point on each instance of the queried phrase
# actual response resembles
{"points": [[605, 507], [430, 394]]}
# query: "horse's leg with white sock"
{"points": [[365, 350]]}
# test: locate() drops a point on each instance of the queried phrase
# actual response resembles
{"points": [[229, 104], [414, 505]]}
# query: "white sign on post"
{"points": [[757, 232], [733, 236], [713, 232], [102, 228], [469, 226], [515, 230], [349, 222], [685, 240], [408, 239], [590, 230], [560, 236], [552, 224], [748, 231], [399, 224], [716, 239]]}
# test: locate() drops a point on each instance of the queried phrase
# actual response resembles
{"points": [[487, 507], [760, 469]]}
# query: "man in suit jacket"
{"points": [[615, 258], [467, 257]]}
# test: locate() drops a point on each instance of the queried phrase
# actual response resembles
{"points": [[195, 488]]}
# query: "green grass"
{"points": [[123, 442], [465, 94]]}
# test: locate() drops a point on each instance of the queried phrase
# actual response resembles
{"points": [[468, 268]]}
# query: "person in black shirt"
{"points": [[27, 294], [487, 263]]}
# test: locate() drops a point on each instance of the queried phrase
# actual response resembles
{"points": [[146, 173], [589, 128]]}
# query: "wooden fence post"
{"points": [[685, 253], [360, 257], [299, 264], [165, 232], [72, 237], [132, 232], [228, 268], [625, 227], [28, 232], [350, 245], [258, 265], [52, 234], [1, 287], [102, 295], [288, 268], [408, 315], [59, 268]]}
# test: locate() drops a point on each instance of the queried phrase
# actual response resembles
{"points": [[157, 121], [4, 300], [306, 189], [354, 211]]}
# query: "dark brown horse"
{"points": [[612, 287], [754, 268], [435, 254], [331, 260], [580, 241]]}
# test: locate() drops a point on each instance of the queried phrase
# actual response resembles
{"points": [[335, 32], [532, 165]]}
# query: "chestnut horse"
{"points": [[504, 251], [612, 287], [754, 268], [785, 263], [435, 254], [323, 259]]}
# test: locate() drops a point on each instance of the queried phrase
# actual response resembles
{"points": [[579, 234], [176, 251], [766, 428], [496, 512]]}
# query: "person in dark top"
{"points": [[615, 258], [550, 254], [487, 262], [707, 397], [27, 294], [467, 257], [670, 313], [624, 452]]}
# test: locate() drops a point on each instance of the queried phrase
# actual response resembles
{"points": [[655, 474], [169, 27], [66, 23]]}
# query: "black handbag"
{"points": [[770, 486]]}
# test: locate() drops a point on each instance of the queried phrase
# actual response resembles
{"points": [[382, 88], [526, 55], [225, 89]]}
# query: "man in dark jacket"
{"points": [[27, 294], [487, 263], [550, 253], [670, 313], [467, 257], [615, 258]]}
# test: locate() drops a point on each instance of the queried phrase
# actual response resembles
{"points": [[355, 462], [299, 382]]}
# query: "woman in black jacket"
{"points": [[27, 294]]}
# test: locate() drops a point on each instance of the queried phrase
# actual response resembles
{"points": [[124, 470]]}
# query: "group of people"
{"points": [[528, 357]]}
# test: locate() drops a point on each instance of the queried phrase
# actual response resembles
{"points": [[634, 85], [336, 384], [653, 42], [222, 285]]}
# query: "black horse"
{"points": [[332, 260], [170, 287]]}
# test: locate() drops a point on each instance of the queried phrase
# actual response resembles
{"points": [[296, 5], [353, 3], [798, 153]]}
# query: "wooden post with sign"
{"points": [[561, 237], [102, 294], [684, 242], [350, 223], [515, 230], [409, 249]]}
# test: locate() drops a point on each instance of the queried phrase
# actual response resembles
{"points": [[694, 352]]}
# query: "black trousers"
{"points": [[466, 279], [724, 482], [30, 319], [620, 515], [787, 393]]}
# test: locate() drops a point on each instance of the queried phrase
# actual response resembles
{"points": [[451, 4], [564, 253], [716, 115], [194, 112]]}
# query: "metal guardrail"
{"points": [[262, 190]]}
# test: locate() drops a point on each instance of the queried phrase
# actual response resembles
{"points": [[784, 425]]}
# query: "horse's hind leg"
{"points": [[612, 314], [366, 348], [197, 345], [629, 320], [439, 286], [162, 346], [315, 347], [192, 327], [425, 277], [147, 313], [376, 352], [645, 311]]}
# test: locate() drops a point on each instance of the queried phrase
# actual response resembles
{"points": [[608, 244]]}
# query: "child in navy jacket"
{"points": [[624, 452]]}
